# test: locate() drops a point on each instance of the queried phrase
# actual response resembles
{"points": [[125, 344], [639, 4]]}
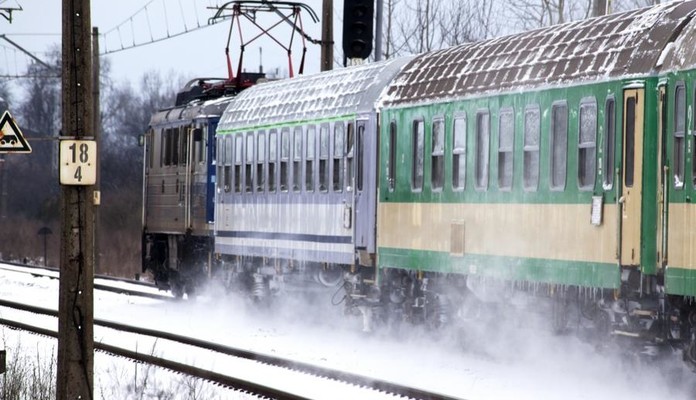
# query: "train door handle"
{"points": [[347, 216]]}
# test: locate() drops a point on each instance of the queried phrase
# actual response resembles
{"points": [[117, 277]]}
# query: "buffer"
{"points": [[11, 138]]}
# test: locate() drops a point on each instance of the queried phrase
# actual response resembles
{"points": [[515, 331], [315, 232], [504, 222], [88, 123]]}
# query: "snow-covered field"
{"points": [[502, 361]]}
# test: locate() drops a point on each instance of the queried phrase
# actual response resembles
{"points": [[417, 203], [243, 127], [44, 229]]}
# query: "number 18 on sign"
{"points": [[78, 162]]}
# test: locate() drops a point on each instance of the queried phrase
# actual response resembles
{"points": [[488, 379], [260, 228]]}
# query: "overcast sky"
{"points": [[198, 53]]}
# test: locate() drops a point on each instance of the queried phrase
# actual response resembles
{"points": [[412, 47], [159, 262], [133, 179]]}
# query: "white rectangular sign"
{"points": [[78, 162]]}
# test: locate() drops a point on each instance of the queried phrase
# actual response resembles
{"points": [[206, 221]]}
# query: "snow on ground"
{"points": [[502, 360]]}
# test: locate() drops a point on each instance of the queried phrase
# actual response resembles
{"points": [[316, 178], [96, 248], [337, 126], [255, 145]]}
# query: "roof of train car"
{"points": [[617, 45], [328, 94], [189, 111], [682, 53]]}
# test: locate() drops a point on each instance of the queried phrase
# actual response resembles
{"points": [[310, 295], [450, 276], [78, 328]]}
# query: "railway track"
{"points": [[108, 284], [336, 377]]}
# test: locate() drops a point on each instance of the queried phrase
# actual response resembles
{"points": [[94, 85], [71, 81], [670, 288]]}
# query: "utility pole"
{"points": [[97, 133], [327, 41], [599, 8], [75, 374]]}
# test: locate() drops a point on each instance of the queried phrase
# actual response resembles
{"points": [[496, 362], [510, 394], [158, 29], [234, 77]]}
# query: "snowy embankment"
{"points": [[499, 362]]}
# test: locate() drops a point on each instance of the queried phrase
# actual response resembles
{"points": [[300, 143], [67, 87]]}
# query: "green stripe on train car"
{"points": [[680, 281], [561, 272]]}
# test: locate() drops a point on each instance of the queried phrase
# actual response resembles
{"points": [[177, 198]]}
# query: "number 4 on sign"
{"points": [[78, 162]]}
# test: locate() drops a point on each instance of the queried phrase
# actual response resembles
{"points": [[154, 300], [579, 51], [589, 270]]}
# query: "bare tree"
{"points": [[625, 5], [462, 23], [416, 26], [532, 14]]}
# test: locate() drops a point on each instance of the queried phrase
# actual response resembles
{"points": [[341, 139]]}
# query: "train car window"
{"points": [[418, 148], [167, 147], [163, 147], [297, 159], [483, 136], [630, 140], [226, 159], [339, 152], [272, 160], [201, 144], [679, 128], [350, 144], [261, 162], [391, 164], [238, 152], [149, 138], [608, 146], [174, 147], [309, 158], [324, 158], [532, 130], [249, 166], [587, 144], [220, 162], [184, 135], [360, 149], [506, 139], [437, 172], [284, 159], [559, 146], [169, 138], [459, 152]]}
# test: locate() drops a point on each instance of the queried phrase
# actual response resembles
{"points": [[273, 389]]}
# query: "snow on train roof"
{"points": [[333, 93], [616, 45], [194, 109]]}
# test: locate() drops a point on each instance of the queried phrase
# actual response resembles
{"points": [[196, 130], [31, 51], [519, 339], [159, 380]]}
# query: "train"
{"points": [[558, 162]]}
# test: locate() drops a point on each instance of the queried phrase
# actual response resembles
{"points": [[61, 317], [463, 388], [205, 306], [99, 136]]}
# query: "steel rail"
{"points": [[348, 377], [97, 286], [225, 380]]}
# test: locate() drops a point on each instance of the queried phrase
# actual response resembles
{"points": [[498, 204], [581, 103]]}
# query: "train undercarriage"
{"points": [[639, 317], [180, 263]]}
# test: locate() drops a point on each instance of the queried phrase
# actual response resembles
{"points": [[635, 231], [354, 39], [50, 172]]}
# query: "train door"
{"points": [[365, 185], [661, 178], [632, 163]]}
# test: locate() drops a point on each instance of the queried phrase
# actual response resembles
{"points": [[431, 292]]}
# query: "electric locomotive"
{"points": [[179, 184]]}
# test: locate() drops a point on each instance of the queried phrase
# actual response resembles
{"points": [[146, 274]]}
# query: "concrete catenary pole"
{"points": [[75, 369], [327, 41]]}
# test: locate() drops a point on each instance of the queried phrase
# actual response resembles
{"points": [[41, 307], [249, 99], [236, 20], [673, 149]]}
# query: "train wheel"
{"points": [[602, 325], [191, 291], [177, 289], [690, 355], [176, 285]]}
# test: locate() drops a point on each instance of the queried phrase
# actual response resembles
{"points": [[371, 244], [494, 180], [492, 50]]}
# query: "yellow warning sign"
{"points": [[11, 138]]}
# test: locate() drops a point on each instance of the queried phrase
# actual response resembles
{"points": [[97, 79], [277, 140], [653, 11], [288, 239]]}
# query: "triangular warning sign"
{"points": [[11, 138]]}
